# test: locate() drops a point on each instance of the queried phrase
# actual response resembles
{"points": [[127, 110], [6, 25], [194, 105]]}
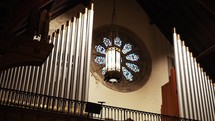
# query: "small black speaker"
{"points": [[93, 108]]}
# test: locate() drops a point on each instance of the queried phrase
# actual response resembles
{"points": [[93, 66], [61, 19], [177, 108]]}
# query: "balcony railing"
{"points": [[28, 100]]}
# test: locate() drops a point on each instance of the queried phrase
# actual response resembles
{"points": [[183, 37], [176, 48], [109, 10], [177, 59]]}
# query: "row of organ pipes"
{"points": [[66, 71], [195, 89]]}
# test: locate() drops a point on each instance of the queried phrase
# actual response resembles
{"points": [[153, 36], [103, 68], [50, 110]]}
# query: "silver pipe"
{"points": [[194, 89], [24, 77], [9, 86], [204, 96], [196, 86], [186, 83], [35, 79], [64, 59], [6, 84], [60, 61], [213, 97], [14, 80], [200, 90], [20, 78], [17, 78], [185, 106], [210, 98], [88, 53], [6, 97], [50, 65], [1, 76], [192, 94], [3, 83], [76, 63], [89, 37], [28, 78], [44, 75], [82, 48], [178, 77], [39, 83], [53, 77], [209, 113], [71, 59], [66, 56], [8, 78], [31, 79]]}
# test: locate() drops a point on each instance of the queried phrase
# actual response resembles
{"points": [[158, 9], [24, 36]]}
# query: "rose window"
{"points": [[135, 59]]}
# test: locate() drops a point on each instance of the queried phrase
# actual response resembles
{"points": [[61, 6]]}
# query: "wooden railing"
{"points": [[33, 101]]}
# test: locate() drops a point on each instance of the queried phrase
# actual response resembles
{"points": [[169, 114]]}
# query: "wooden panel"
{"points": [[170, 97]]}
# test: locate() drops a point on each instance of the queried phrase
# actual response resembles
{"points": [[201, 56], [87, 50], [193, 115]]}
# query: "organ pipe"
{"points": [[195, 89], [64, 74]]}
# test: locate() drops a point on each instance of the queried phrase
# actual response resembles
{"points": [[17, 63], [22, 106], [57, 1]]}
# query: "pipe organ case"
{"points": [[194, 87], [66, 71]]}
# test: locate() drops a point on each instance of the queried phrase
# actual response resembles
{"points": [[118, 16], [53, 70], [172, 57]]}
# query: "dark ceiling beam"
{"points": [[206, 6], [22, 11], [206, 53]]}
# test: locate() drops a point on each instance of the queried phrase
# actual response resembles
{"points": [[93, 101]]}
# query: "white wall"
{"points": [[131, 16]]}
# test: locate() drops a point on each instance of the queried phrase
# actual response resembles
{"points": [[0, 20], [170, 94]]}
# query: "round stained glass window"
{"points": [[135, 58]]}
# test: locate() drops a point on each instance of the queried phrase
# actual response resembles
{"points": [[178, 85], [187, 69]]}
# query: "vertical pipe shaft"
{"points": [[28, 78], [183, 89], [193, 87], [71, 59], [211, 98], [88, 50], [186, 83], [54, 73], [82, 54], [199, 90], [77, 58], [207, 97], [3, 83], [14, 77], [190, 81], [66, 63], [89, 43], [17, 78], [58, 66], [24, 77], [35, 79], [60, 63], [178, 77], [65, 56], [31, 79], [207, 113], [51, 66]]}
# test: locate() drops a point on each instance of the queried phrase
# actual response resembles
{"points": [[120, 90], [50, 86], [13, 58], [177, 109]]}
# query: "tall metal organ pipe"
{"points": [[64, 74], [195, 89]]}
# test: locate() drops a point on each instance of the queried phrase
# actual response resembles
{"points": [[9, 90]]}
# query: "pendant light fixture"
{"points": [[113, 53]]}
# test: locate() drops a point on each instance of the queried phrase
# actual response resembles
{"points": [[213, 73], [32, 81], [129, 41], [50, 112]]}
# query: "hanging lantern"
{"points": [[113, 64], [113, 54]]}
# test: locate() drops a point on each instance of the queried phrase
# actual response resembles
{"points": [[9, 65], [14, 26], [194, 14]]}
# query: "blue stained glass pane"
{"points": [[103, 71], [127, 74], [132, 57], [107, 41], [100, 49], [133, 67], [117, 41], [100, 60], [126, 48]]}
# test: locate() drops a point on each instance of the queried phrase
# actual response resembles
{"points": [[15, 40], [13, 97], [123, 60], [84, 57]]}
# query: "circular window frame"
{"points": [[127, 36]]}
